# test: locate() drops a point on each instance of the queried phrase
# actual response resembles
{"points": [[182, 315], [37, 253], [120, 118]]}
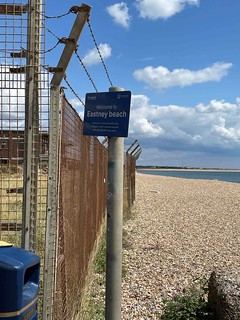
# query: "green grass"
{"points": [[100, 260], [93, 305], [93, 300]]}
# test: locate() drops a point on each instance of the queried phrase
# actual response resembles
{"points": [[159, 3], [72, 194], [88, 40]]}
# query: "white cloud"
{"points": [[161, 78], [207, 135], [119, 13], [92, 57], [143, 126], [162, 9], [12, 99], [206, 131], [218, 106], [226, 133]]}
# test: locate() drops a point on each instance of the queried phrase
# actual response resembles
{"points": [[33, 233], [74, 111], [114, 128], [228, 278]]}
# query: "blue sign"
{"points": [[107, 114]]}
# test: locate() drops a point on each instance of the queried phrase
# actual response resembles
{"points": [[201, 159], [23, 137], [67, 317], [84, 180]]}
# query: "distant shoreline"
{"points": [[188, 169]]}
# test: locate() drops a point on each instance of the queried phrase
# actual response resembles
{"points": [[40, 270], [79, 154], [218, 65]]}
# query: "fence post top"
{"points": [[112, 89]]}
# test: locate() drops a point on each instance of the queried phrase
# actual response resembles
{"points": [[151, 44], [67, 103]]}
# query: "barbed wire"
{"points": [[50, 31], [73, 9], [25, 51], [48, 50], [100, 55], [61, 40], [51, 17], [73, 91], [85, 69], [58, 16]]}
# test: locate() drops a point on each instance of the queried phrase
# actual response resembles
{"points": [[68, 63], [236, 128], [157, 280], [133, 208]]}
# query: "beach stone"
{"points": [[224, 294], [183, 233]]}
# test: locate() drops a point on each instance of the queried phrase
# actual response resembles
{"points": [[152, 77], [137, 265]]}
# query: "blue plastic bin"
{"points": [[19, 283]]}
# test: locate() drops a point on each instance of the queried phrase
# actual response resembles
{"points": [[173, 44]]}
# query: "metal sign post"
{"points": [[107, 114], [114, 226]]}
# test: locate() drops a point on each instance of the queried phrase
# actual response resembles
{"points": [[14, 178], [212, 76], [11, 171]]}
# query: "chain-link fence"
{"points": [[23, 128], [13, 36], [53, 207], [82, 205], [129, 183]]}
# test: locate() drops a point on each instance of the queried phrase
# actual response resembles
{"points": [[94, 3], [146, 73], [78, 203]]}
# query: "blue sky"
{"points": [[180, 59]]}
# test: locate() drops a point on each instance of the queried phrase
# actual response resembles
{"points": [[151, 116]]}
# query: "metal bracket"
{"points": [[66, 40], [12, 9], [18, 70], [55, 69], [76, 9], [21, 54]]}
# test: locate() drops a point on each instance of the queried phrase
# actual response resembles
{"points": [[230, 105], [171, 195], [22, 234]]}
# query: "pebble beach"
{"points": [[181, 230]]}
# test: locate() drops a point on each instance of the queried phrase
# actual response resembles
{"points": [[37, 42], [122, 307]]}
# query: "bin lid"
{"points": [[5, 244]]}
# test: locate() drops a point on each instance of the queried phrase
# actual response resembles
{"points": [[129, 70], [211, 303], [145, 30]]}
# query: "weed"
{"points": [[100, 260], [94, 301], [190, 304]]}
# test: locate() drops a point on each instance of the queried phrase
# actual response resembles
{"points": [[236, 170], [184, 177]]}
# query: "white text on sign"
{"points": [[105, 114]]}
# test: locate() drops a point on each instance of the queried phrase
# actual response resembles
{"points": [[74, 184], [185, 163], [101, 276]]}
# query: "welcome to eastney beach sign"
{"points": [[107, 114]]}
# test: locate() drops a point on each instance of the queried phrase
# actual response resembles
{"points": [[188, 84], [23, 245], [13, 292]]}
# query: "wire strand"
{"points": [[52, 17], [49, 50], [50, 31], [73, 91], [85, 69], [95, 42]]}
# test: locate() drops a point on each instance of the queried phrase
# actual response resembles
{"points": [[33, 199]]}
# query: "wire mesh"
{"points": [[83, 170], [14, 30], [129, 183], [12, 105]]}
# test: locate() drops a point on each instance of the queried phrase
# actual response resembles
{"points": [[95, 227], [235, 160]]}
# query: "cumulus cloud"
{"points": [[92, 57], [226, 133], [162, 78], [207, 135], [147, 127], [119, 13], [162, 9], [218, 106], [210, 130]]}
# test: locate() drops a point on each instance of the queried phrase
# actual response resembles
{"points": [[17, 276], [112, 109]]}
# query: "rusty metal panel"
{"points": [[82, 204], [129, 183], [81, 208]]}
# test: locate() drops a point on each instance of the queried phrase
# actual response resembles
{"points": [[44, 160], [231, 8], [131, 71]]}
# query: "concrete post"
{"points": [[53, 179], [31, 135]]}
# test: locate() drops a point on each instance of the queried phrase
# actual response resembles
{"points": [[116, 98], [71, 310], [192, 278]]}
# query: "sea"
{"points": [[221, 175]]}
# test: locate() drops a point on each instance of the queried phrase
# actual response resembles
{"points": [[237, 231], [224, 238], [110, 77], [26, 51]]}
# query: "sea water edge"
{"points": [[230, 175]]}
